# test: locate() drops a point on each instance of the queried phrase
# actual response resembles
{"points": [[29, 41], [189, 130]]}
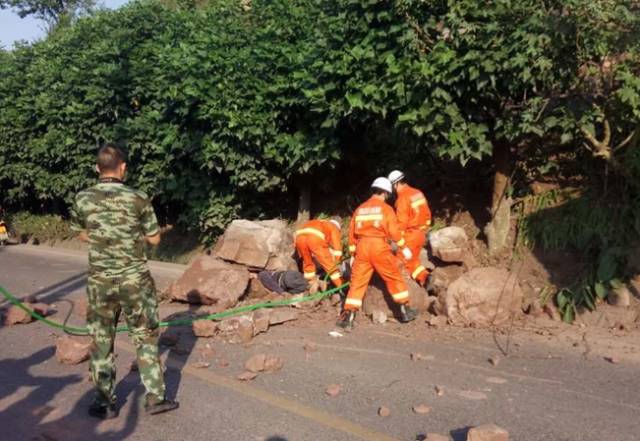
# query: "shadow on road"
{"points": [[33, 416]]}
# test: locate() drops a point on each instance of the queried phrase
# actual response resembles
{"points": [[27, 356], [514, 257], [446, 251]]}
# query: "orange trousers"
{"points": [[375, 254], [415, 240], [308, 247]]}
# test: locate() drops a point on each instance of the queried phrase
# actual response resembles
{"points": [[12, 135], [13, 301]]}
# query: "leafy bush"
{"points": [[43, 228]]}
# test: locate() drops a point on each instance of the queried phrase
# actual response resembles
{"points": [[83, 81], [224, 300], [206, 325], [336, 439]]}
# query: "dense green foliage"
{"points": [[228, 108]]}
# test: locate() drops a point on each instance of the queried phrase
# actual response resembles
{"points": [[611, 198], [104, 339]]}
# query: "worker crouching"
{"points": [[320, 239], [372, 226]]}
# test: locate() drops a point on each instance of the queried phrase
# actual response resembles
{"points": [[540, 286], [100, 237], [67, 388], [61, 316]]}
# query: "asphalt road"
{"points": [[539, 392]]}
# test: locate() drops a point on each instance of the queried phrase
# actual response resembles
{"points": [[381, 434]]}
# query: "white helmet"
{"points": [[336, 223], [396, 176], [382, 184]]}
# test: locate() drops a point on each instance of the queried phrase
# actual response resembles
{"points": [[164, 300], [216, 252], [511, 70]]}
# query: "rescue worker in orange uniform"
{"points": [[414, 219], [372, 226], [320, 239]]}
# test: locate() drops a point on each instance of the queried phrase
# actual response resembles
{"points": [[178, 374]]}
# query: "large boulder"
{"points": [[449, 244], [482, 297], [257, 244], [378, 299], [210, 281]]}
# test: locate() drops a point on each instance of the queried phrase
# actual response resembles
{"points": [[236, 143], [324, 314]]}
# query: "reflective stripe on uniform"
{"points": [[369, 217], [309, 275], [335, 276], [401, 242], [313, 231], [417, 271], [335, 253], [401, 295], [417, 203], [354, 302], [352, 248]]}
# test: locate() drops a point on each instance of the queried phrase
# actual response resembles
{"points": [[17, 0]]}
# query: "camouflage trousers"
{"points": [[135, 296]]}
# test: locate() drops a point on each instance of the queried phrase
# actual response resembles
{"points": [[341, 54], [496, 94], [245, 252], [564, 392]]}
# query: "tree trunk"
{"points": [[497, 230], [304, 202]]}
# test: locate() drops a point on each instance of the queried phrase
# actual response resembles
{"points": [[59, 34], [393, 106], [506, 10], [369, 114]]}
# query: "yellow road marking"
{"points": [[295, 407]]}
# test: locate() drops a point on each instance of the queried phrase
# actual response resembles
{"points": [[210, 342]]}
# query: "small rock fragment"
{"points": [[416, 356], [436, 437], [244, 331], [552, 312], [487, 432], [207, 351], [73, 350], [612, 359], [472, 395], [421, 409], [204, 328], [384, 411], [201, 364], [333, 390], [247, 376], [494, 360], [223, 363], [335, 334], [273, 363], [310, 347], [439, 391], [256, 363], [495, 380], [437, 320], [260, 324]]}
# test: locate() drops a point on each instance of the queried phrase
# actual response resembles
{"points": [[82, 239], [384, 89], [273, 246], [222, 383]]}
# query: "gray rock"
{"points": [[449, 244]]}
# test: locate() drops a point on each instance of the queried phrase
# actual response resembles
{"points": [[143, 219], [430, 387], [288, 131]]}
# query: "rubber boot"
{"points": [[346, 320], [407, 314], [155, 406], [101, 408]]}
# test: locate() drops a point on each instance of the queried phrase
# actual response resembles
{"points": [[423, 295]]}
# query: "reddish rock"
{"points": [[73, 350], [439, 391], [247, 376], [256, 363], [257, 290], [260, 324], [483, 297], [438, 320], [282, 315], [210, 281], [443, 276], [384, 411], [612, 359], [333, 390], [487, 432], [80, 307], [378, 299], [201, 364], [244, 332], [16, 315], [204, 328]]}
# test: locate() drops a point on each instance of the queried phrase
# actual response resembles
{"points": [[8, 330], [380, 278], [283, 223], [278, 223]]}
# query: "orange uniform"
{"points": [[373, 224], [414, 219], [320, 239]]}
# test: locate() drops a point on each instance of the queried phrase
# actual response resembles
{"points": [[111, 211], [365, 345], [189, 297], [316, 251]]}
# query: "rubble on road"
{"points": [[73, 350], [282, 315], [421, 409], [378, 317], [378, 299], [201, 364], [15, 315], [333, 390], [487, 432], [384, 411], [264, 363], [482, 297], [247, 376]]}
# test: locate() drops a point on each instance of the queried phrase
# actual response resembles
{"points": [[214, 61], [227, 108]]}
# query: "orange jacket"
{"points": [[326, 231], [374, 218], [412, 209]]}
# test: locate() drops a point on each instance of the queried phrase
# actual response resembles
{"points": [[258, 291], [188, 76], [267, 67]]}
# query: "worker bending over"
{"points": [[372, 226], [320, 239], [414, 220]]}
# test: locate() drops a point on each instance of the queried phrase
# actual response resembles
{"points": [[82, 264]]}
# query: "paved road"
{"points": [[540, 392]]}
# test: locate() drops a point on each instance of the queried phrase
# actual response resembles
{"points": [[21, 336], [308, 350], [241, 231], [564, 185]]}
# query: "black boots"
{"points": [[346, 320], [154, 407], [407, 314], [102, 408]]}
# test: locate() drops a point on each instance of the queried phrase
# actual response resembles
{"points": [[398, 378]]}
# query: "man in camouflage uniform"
{"points": [[117, 221]]}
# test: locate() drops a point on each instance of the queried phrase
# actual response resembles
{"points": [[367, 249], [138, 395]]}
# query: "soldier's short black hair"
{"points": [[110, 156]]}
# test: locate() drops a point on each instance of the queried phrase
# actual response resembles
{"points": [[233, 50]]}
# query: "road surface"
{"points": [[540, 391]]}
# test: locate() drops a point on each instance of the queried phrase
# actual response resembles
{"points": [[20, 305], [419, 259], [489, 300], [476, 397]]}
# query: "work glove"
{"points": [[406, 252]]}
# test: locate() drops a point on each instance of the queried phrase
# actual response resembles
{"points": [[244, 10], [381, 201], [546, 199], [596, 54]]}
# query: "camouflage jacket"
{"points": [[116, 219]]}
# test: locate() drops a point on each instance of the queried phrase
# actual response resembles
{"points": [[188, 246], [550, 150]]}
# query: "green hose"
{"points": [[217, 316]]}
